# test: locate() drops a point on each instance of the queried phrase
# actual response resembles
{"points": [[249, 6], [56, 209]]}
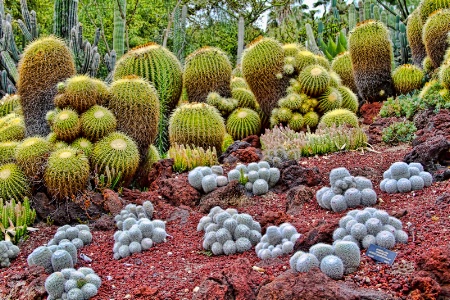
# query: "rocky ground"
{"points": [[180, 269]]}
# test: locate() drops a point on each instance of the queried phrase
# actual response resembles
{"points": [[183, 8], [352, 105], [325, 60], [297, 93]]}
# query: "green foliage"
{"points": [[399, 132], [188, 157], [107, 180], [15, 217], [331, 48], [243, 179], [401, 106]]}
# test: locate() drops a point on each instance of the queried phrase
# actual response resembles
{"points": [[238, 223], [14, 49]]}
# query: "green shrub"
{"points": [[188, 157], [14, 219], [399, 132]]}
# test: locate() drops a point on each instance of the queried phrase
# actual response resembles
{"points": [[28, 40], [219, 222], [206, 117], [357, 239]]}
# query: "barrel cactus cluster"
{"points": [[8, 252], [137, 232], [346, 191], [228, 231], [343, 257], [69, 283], [207, 179], [403, 178], [61, 251], [257, 177], [370, 226], [277, 241]]}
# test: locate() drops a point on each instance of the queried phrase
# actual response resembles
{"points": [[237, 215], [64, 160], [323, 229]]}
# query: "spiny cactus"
{"points": [[242, 123], [314, 80], [207, 70], [342, 65], [339, 117], [402, 177], [44, 63], [66, 125], [97, 122], [8, 104], [31, 156], [370, 52], [7, 151], [245, 97], [435, 32], [12, 128], [13, 182], [407, 78], [134, 101], [414, 35], [330, 99], [349, 99], [427, 7]]}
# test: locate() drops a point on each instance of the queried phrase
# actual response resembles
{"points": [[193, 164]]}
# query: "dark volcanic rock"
{"points": [[322, 232], [314, 285], [242, 151], [432, 151], [273, 218], [253, 140], [236, 282], [233, 194], [369, 111], [27, 285], [375, 131], [178, 191], [162, 169], [297, 197], [296, 175]]}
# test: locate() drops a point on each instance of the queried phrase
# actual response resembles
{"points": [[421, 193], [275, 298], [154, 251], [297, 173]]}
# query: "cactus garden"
{"points": [[224, 150]]}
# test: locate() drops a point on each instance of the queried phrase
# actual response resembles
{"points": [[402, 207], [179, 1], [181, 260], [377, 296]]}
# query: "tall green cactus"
{"points": [[87, 58], [179, 32], [29, 24], [120, 10], [65, 17], [414, 35], [352, 20]]}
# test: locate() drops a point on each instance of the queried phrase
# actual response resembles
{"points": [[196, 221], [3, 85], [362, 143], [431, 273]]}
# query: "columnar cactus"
{"points": [[414, 35], [435, 32]]}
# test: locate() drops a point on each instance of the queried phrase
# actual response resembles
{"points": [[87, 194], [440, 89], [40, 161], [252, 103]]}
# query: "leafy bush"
{"points": [[188, 157], [399, 132]]}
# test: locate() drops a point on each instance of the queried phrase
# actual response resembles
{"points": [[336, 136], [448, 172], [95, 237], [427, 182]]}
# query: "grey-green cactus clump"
{"points": [[370, 226], [53, 258], [346, 191], [70, 283], [228, 231], [403, 178], [207, 179], [277, 241], [8, 252], [137, 232], [79, 235], [343, 257]]}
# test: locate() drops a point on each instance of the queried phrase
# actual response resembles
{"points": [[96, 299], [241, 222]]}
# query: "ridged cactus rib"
{"points": [[349, 99], [197, 124], [13, 183], [338, 117], [414, 35], [261, 62], [427, 7], [242, 123], [66, 125], [434, 35], [31, 155], [371, 53], [407, 78], [97, 122], [44, 63], [207, 70], [244, 97], [7, 151], [159, 66], [118, 153], [342, 65], [329, 100], [314, 80], [135, 103]]}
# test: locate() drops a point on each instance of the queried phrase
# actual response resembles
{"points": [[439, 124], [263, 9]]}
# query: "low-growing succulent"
{"points": [[402, 178], [71, 284], [277, 241], [8, 252]]}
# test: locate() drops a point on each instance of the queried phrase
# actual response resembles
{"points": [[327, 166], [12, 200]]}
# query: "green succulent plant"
{"points": [[13, 183], [242, 123]]}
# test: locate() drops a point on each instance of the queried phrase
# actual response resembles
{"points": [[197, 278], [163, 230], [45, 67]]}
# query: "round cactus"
{"points": [[197, 124], [349, 99], [332, 266], [407, 78], [339, 117], [329, 100], [13, 182], [244, 97], [314, 80], [342, 65], [444, 75], [414, 35], [435, 32], [97, 122], [311, 119], [385, 239], [370, 52], [207, 70], [67, 173], [242, 123], [135, 103], [427, 7], [296, 122], [54, 285], [7, 151], [321, 250], [8, 104], [306, 262], [66, 125], [118, 153], [349, 253], [84, 145], [44, 63], [304, 59], [238, 82], [31, 155], [12, 128]]}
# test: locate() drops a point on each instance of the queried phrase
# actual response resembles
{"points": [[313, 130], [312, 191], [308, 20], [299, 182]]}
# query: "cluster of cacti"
{"points": [[186, 158], [407, 78], [197, 124], [15, 216], [277, 241], [8, 251], [79, 235], [207, 70], [229, 232], [435, 31], [370, 226], [9, 104], [69, 283], [44, 63], [7, 151], [207, 179], [12, 127], [343, 257], [13, 182], [256, 177], [414, 35], [371, 53], [137, 232], [346, 191], [403, 178], [159, 66], [54, 258]]}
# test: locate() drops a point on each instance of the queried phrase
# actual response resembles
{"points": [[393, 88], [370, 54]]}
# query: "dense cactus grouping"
{"points": [[402, 178], [8, 252], [70, 283], [346, 191], [370, 226], [228, 232], [137, 232], [277, 241]]}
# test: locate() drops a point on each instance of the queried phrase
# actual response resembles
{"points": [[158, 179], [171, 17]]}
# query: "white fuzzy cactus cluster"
{"points": [[71, 284], [277, 241], [8, 251], [229, 232], [137, 232], [346, 191], [79, 235], [61, 251], [370, 226], [343, 257], [258, 177], [403, 178]]}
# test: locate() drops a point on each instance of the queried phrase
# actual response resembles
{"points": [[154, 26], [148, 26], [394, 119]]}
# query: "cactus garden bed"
{"points": [[180, 268]]}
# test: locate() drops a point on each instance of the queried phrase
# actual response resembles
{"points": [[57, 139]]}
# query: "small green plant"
{"points": [[401, 106], [399, 132], [243, 179], [15, 219], [188, 157], [108, 180]]}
